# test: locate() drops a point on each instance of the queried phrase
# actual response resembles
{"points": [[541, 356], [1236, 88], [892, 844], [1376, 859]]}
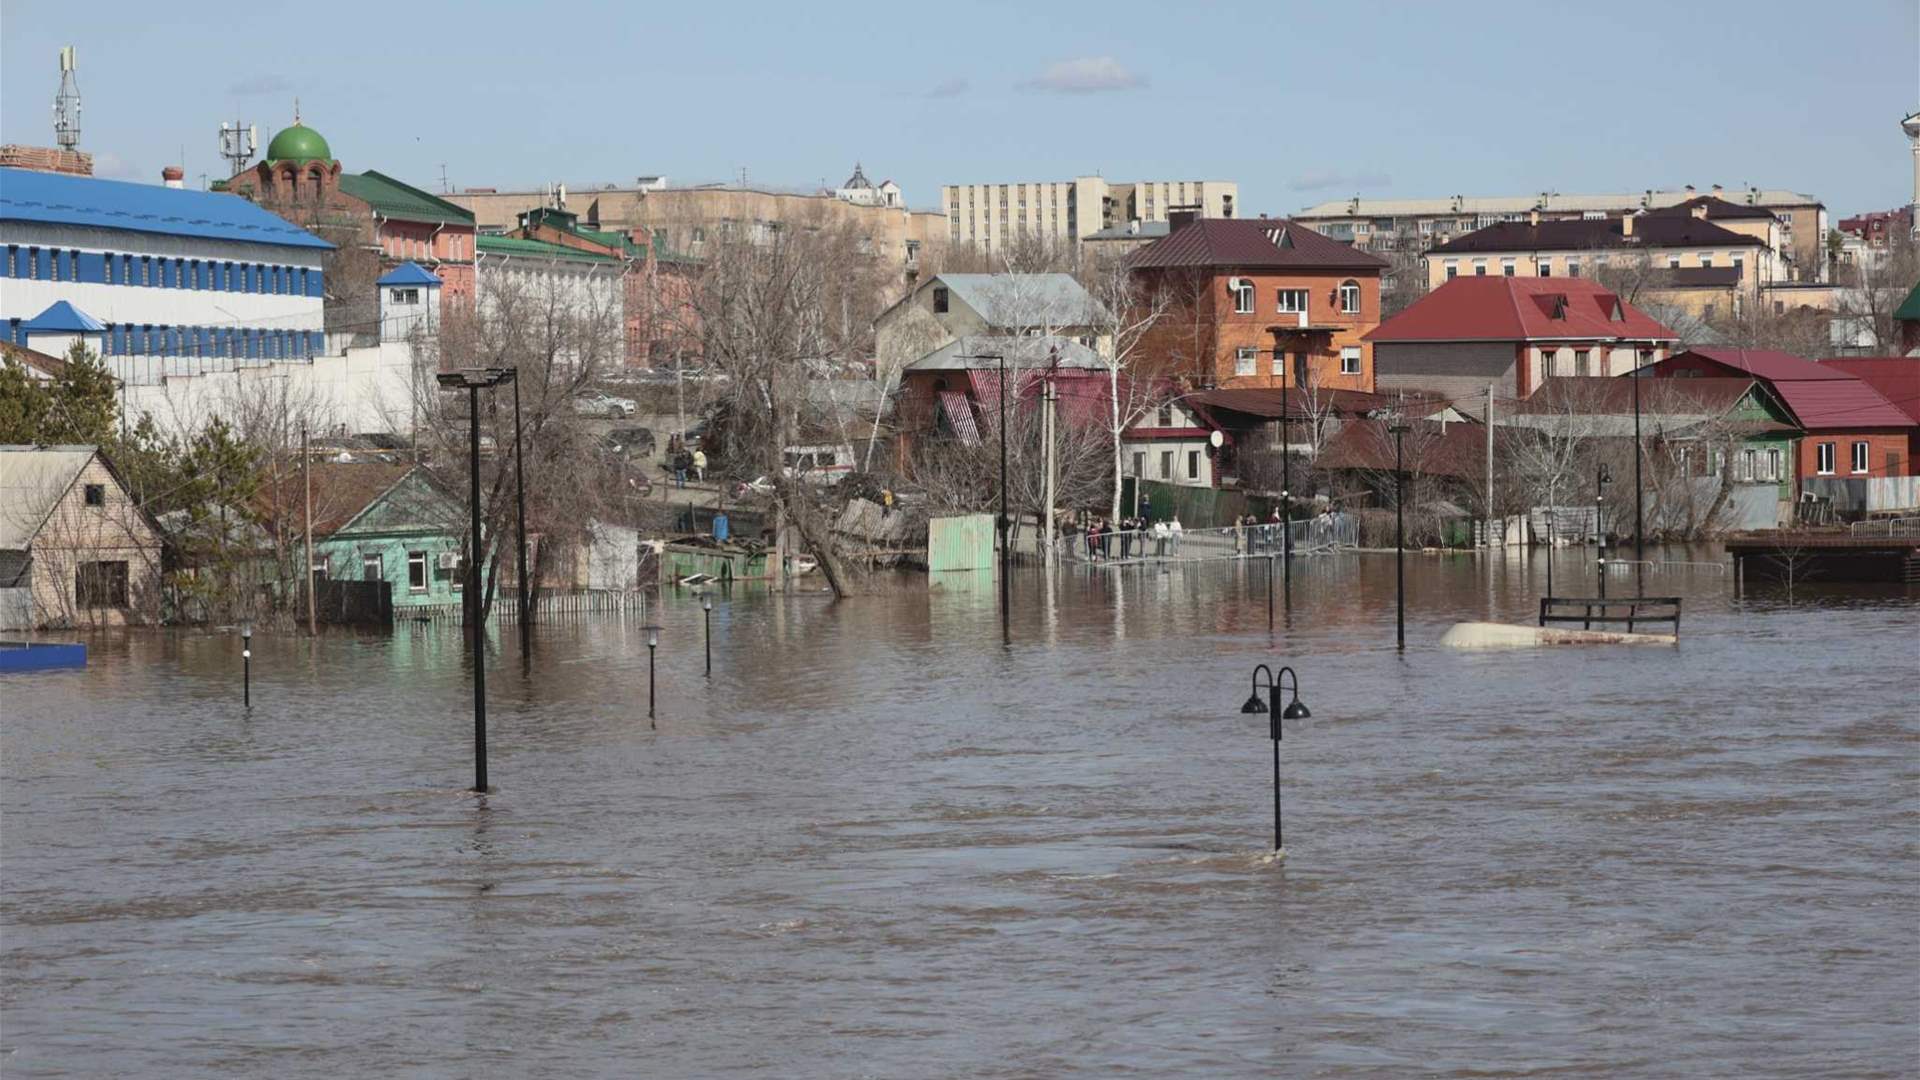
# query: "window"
{"points": [[1583, 362], [1479, 268], [1290, 301], [1245, 360], [1166, 464], [1543, 266], [371, 568], [1673, 262], [1749, 465], [33, 264], [1739, 263], [100, 584], [416, 571], [1706, 258], [1823, 459], [941, 303], [1242, 296], [1774, 470], [1350, 360], [1279, 362], [1573, 267], [1139, 463], [1506, 267], [1166, 416], [1350, 298], [1453, 269], [406, 296], [1859, 457], [1193, 464], [56, 264]]}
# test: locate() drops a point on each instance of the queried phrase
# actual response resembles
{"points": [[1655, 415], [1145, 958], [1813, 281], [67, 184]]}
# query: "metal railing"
{"points": [[1623, 567], [1320, 535], [1902, 526]]}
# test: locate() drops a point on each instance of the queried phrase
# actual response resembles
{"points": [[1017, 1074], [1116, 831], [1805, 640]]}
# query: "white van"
{"points": [[818, 464]]}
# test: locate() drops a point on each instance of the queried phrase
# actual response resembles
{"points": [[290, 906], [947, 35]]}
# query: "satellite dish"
{"points": [[1216, 440]]}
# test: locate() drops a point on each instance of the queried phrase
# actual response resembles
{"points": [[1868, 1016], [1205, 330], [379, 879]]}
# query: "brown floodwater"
{"points": [[879, 842]]}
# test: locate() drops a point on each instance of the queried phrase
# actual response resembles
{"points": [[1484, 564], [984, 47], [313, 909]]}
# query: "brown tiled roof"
{"points": [[1301, 404], [1251, 243], [1896, 377], [1649, 231], [1429, 448], [1718, 209], [1614, 396], [341, 490]]}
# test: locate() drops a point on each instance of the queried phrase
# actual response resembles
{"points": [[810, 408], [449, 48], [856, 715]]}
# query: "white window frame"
{"points": [[1166, 464], [1453, 269], [1543, 266], [1193, 464], [1479, 268], [1775, 467], [1350, 360], [419, 559], [1246, 360], [1350, 298], [1243, 299], [1862, 456], [1291, 301], [1509, 268], [1706, 260], [1573, 267], [1823, 458]]}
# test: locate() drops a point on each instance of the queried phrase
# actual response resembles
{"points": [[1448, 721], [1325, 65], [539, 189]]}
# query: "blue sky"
{"points": [[1298, 103]]}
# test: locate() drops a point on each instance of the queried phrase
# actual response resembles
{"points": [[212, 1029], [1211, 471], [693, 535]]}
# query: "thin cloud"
{"points": [[949, 88], [1086, 75], [1327, 178], [112, 166], [261, 84]]}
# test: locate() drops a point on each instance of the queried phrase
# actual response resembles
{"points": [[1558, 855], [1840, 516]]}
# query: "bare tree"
{"points": [[1872, 291], [1125, 314]]}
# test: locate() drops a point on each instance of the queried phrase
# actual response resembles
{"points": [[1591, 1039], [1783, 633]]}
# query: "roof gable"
{"points": [[414, 503], [61, 316], [396, 199], [33, 480], [1500, 308], [1023, 300], [408, 273]]}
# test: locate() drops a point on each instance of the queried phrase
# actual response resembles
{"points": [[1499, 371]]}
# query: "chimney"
{"points": [[1717, 189], [1533, 217], [174, 176], [1179, 219], [1689, 191], [1626, 225]]}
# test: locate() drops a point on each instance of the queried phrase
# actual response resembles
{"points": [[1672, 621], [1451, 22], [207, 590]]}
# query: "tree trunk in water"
{"points": [[1113, 402], [819, 540]]}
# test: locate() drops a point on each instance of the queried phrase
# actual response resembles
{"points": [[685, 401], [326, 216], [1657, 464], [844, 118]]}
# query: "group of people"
{"points": [[685, 461], [1250, 534], [1099, 534]]}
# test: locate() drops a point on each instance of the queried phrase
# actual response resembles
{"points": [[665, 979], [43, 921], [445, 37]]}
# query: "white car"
{"points": [[597, 403]]}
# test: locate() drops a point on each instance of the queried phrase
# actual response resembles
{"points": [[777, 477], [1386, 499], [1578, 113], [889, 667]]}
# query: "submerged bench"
{"points": [[1604, 609]]}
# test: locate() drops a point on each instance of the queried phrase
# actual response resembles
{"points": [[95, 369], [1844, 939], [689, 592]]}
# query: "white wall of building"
{"points": [[366, 390]]}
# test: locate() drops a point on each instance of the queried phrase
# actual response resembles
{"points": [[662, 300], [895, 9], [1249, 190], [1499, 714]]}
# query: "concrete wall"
{"points": [[365, 390], [1455, 369]]}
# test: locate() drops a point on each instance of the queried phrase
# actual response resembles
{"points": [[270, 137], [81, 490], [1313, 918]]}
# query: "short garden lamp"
{"points": [[1294, 709], [653, 642], [246, 663]]}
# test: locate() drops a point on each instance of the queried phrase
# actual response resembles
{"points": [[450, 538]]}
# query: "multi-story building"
{"points": [[1511, 334], [988, 216], [656, 282], [162, 272], [1257, 302], [1705, 256], [1384, 224], [682, 218], [300, 180]]}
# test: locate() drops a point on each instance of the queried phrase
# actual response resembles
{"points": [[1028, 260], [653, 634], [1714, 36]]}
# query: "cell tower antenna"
{"points": [[238, 141], [66, 104]]}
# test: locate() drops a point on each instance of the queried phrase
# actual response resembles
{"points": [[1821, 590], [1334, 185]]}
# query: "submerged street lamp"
{"points": [[1293, 710], [706, 607], [653, 642], [473, 380], [246, 663], [1398, 428], [1601, 479]]}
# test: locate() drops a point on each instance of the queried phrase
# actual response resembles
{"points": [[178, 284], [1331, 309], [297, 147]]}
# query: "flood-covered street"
{"points": [[881, 842]]}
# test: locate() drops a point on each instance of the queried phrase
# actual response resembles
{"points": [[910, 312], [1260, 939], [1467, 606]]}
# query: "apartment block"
{"points": [[1067, 211]]}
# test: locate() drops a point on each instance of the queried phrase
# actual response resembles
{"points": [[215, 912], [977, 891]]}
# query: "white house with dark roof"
{"points": [[946, 307], [75, 548]]}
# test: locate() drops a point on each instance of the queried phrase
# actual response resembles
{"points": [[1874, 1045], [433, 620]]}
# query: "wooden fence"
{"points": [[506, 607]]}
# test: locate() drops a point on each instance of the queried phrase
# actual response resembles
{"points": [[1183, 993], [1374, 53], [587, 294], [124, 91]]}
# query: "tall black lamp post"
{"points": [[653, 642], [1639, 498], [246, 663], [706, 609], [473, 380], [1293, 710], [1601, 478], [1399, 428], [1286, 483]]}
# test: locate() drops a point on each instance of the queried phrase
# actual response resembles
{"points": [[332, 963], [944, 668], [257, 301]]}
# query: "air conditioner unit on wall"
{"points": [[449, 560]]}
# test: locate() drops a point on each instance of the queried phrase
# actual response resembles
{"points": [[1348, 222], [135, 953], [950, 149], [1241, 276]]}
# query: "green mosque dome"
{"points": [[298, 143]]}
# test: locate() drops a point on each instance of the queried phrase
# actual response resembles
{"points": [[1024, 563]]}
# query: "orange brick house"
{"points": [[1257, 302]]}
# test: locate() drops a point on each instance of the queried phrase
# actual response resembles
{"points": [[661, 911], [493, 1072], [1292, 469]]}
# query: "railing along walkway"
{"points": [[1311, 536]]}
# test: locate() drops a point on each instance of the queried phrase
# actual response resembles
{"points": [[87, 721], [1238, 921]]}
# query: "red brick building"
{"points": [[1257, 302]]}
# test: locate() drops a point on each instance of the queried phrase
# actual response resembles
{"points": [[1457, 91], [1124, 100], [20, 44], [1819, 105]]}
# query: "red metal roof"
{"points": [[1251, 243], [1302, 404], [1896, 377], [1822, 397], [1520, 309], [1769, 364]]}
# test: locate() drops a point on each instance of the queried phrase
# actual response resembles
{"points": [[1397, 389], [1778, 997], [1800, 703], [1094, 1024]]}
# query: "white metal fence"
{"points": [[1905, 526], [1311, 536]]}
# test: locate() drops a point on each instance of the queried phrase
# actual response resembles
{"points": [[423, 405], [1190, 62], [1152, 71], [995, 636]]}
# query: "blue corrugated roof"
{"points": [[56, 199], [63, 317], [408, 273]]}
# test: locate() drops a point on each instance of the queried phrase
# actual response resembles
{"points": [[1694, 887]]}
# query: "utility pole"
{"points": [[306, 518], [1049, 425], [1490, 513]]}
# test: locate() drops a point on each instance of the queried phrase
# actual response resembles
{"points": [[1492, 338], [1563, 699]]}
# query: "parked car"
{"points": [[598, 403], [629, 441]]}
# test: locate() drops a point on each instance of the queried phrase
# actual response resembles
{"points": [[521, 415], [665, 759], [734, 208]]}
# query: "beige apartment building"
{"points": [[990, 215], [690, 217], [1384, 224]]}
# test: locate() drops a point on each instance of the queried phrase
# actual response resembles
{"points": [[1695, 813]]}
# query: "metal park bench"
{"points": [[1599, 609]]}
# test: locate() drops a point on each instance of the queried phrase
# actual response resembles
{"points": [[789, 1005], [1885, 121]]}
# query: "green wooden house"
{"points": [[381, 521]]}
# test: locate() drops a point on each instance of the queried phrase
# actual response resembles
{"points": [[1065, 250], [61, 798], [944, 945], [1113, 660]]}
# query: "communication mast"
{"points": [[66, 104], [238, 141]]}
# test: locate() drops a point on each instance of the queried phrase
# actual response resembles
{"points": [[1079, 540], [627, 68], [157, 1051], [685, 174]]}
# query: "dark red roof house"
{"points": [[1512, 333], [1897, 378], [1852, 430]]}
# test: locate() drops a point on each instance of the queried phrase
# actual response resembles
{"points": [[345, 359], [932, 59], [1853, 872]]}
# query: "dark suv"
{"points": [[629, 441]]}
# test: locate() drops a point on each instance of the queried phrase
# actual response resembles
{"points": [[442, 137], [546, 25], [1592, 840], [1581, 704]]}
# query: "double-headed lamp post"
{"points": [[1292, 710], [473, 380]]}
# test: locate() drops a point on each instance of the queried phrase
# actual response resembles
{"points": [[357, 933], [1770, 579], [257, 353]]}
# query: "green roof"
{"points": [[513, 245], [299, 143], [397, 200], [1909, 309]]}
